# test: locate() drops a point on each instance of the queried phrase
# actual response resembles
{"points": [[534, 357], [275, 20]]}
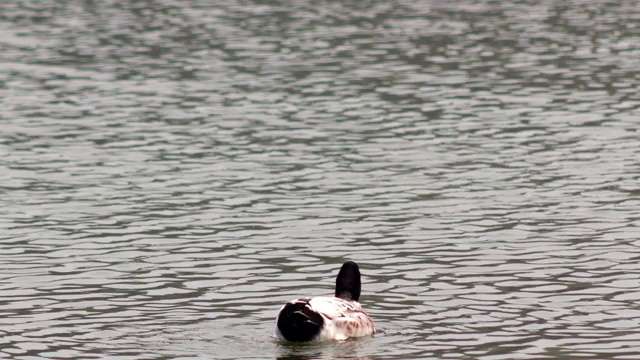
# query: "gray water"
{"points": [[171, 172]]}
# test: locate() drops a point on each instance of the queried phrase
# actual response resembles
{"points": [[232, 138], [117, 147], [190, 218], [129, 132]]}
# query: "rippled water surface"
{"points": [[171, 172]]}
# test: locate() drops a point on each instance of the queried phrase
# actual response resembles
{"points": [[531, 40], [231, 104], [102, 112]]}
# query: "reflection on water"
{"points": [[172, 172], [339, 350]]}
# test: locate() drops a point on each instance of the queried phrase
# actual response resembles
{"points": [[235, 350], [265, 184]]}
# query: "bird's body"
{"points": [[324, 317]]}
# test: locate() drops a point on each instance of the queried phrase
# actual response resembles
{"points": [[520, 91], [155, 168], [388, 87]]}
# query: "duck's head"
{"points": [[348, 282]]}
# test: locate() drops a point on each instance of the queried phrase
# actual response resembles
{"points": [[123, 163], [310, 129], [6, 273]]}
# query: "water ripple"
{"points": [[172, 173]]}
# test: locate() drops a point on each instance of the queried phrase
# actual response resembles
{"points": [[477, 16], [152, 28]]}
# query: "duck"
{"points": [[323, 318]]}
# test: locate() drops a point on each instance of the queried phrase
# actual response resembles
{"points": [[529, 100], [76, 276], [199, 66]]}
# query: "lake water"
{"points": [[171, 172]]}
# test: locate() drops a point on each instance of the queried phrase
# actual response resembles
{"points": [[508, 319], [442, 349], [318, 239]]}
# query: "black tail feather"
{"points": [[297, 322]]}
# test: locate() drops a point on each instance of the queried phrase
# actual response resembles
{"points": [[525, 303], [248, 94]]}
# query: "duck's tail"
{"points": [[298, 322]]}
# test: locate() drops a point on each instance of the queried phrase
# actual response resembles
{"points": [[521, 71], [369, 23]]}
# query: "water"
{"points": [[171, 172]]}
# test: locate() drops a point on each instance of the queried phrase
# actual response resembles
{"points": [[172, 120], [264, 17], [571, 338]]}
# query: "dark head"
{"points": [[348, 282]]}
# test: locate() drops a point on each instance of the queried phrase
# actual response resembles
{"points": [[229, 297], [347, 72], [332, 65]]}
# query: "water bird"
{"points": [[324, 318]]}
